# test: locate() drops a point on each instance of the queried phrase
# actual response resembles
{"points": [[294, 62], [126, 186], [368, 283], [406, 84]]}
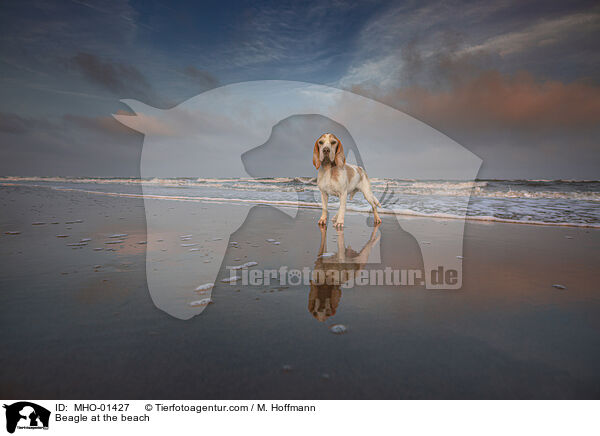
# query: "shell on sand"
{"points": [[245, 265], [205, 287], [231, 279], [338, 329], [203, 302], [62, 236], [557, 286], [118, 235], [12, 233]]}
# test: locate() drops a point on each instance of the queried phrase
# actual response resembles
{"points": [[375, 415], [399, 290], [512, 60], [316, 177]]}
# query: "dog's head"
{"points": [[323, 300], [328, 149]]}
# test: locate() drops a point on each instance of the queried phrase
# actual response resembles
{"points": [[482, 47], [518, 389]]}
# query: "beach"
{"points": [[81, 323]]}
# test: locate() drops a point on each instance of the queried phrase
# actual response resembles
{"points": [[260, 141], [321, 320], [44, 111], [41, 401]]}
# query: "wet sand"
{"points": [[80, 323]]}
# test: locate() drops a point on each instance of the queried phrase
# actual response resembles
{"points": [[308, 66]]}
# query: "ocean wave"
{"points": [[508, 189], [526, 216]]}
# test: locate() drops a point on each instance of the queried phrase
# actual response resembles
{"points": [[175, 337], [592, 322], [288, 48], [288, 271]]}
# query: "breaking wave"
{"points": [[550, 202]]}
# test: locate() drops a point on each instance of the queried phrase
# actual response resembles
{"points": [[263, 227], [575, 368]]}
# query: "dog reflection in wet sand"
{"points": [[333, 270]]}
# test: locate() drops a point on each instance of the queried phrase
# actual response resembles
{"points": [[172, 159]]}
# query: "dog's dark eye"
{"points": [[321, 142], [333, 142]]}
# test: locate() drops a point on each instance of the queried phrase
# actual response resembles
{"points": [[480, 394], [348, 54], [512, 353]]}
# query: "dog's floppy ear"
{"points": [[340, 158], [316, 161]]}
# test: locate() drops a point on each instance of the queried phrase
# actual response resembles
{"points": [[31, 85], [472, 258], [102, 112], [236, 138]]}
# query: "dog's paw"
{"points": [[323, 221], [339, 223]]}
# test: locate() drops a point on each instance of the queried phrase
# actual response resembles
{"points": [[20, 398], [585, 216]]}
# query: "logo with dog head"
{"points": [[267, 130], [26, 415]]}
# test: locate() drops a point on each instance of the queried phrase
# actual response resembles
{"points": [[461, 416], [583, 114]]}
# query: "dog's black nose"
{"points": [[326, 150]]}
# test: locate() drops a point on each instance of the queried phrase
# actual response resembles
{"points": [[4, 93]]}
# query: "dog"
{"points": [[338, 268], [336, 177]]}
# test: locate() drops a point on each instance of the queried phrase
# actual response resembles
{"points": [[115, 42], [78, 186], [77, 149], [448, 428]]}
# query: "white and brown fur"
{"points": [[324, 298], [336, 177]]}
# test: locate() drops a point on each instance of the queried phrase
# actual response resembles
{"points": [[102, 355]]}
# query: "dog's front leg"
{"points": [[324, 200], [341, 245], [339, 221]]}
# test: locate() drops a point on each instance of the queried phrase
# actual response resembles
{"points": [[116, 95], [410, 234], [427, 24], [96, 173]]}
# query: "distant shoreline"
{"points": [[117, 179], [484, 219]]}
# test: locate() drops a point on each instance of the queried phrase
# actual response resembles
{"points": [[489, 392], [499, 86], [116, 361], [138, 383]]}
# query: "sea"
{"points": [[542, 202]]}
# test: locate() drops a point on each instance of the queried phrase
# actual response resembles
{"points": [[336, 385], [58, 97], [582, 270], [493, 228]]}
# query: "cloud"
{"points": [[123, 80], [515, 85], [16, 124], [384, 72], [114, 76], [203, 78], [68, 145], [307, 37], [99, 124], [543, 33], [109, 126], [493, 99], [404, 43], [11, 123], [53, 30], [462, 79], [61, 127]]}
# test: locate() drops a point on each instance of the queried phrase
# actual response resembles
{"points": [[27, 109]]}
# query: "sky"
{"points": [[516, 83]]}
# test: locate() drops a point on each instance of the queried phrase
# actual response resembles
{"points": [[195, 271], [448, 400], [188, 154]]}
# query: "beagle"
{"points": [[338, 178]]}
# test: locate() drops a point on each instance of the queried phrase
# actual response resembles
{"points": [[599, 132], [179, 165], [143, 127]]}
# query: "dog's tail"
{"points": [[388, 198], [375, 200]]}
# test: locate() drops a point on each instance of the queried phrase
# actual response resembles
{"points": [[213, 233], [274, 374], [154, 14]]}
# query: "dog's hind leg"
{"points": [[339, 216], [365, 188]]}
